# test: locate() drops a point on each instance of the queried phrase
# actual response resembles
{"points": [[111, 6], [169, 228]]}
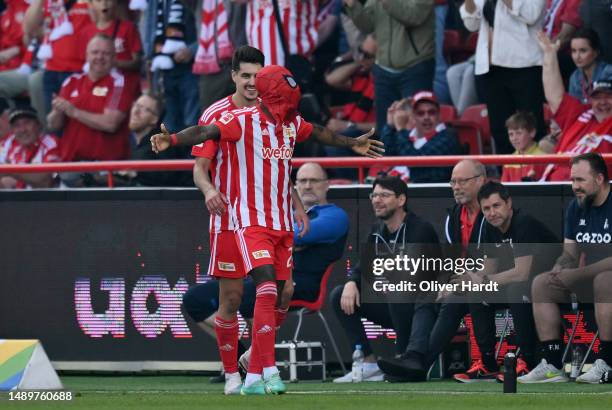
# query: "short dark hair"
{"points": [[521, 119], [395, 184], [590, 35], [247, 54], [493, 187], [159, 102], [596, 161]]}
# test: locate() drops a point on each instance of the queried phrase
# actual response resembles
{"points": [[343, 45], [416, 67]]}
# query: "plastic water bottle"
{"points": [[510, 373], [577, 356], [357, 369]]}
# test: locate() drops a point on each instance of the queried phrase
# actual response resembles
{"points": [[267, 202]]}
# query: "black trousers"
{"points": [[508, 90], [397, 316]]}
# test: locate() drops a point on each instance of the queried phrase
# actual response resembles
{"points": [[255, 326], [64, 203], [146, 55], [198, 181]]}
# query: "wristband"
{"points": [[173, 140]]}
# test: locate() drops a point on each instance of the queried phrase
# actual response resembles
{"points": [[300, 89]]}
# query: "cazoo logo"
{"points": [[588, 237]]}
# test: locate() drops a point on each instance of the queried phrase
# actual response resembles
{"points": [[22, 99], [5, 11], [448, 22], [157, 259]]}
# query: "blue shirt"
{"points": [[577, 82]]}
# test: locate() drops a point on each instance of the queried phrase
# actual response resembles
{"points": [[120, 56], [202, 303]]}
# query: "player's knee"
{"points": [[602, 287], [263, 274], [231, 302]]}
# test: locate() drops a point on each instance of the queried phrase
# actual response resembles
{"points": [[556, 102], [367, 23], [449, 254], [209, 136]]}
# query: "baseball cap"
{"points": [[603, 85], [422, 96], [23, 111]]}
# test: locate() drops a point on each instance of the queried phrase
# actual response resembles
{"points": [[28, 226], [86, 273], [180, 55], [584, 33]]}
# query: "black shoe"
{"points": [[409, 367], [606, 378], [220, 378]]}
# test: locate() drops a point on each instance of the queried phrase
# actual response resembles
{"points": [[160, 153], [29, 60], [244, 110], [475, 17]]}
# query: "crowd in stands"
{"points": [[535, 71]]}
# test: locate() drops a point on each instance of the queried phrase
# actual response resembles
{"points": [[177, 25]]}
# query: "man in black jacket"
{"points": [[463, 230], [397, 227]]}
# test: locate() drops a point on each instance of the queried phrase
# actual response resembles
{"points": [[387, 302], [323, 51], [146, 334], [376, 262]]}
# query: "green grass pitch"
{"points": [[194, 392]]}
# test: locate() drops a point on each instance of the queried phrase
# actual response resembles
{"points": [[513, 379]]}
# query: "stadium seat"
{"points": [[479, 115], [306, 307], [468, 134], [447, 113]]}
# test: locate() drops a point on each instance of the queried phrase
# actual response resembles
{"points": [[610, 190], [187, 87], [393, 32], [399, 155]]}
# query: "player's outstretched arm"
{"points": [[362, 145], [189, 136]]}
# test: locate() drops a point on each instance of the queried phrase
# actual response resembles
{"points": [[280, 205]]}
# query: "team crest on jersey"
{"points": [[226, 266], [226, 117], [261, 254], [100, 91], [289, 132]]}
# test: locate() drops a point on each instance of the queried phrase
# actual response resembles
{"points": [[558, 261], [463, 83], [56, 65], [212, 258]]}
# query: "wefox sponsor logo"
{"points": [[283, 152]]}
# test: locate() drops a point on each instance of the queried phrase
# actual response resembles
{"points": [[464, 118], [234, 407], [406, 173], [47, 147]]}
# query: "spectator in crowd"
{"points": [[128, 48], [463, 229], [428, 137], [12, 47], [590, 68], [262, 28], [508, 60], [312, 254], [61, 22], [397, 228], [16, 80], [92, 108], [355, 74], [405, 57], [358, 115], [521, 132], [513, 244], [584, 128], [27, 144], [462, 84], [144, 121], [440, 84], [170, 44], [213, 59], [561, 22], [597, 14], [587, 221], [4, 118]]}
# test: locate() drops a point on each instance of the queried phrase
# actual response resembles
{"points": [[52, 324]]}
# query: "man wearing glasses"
{"points": [[428, 137], [463, 229], [397, 228]]}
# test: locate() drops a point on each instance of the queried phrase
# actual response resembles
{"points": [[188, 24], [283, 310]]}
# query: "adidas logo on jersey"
{"points": [[226, 347], [264, 329], [284, 152]]}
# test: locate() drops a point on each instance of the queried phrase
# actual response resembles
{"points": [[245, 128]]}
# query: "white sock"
{"points": [[251, 378], [371, 367], [269, 371], [231, 375]]}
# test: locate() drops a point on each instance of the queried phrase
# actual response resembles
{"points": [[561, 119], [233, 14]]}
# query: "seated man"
{"points": [[91, 109], [588, 232], [521, 128], [312, 254], [511, 240], [397, 228], [428, 137], [585, 128], [26, 143], [144, 121]]}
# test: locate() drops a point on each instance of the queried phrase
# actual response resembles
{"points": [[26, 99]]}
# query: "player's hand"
{"points": [[215, 202], [369, 147], [565, 278], [303, 222], [160, 142], [350, 298]]}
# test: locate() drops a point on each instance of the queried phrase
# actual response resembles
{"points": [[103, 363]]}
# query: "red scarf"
{"points": [[215, 44]]}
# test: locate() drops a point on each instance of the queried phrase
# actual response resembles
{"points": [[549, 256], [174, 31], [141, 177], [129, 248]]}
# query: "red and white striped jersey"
{"points": [[299, 21], [262, 165], [46, 149], [220, 154]]}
